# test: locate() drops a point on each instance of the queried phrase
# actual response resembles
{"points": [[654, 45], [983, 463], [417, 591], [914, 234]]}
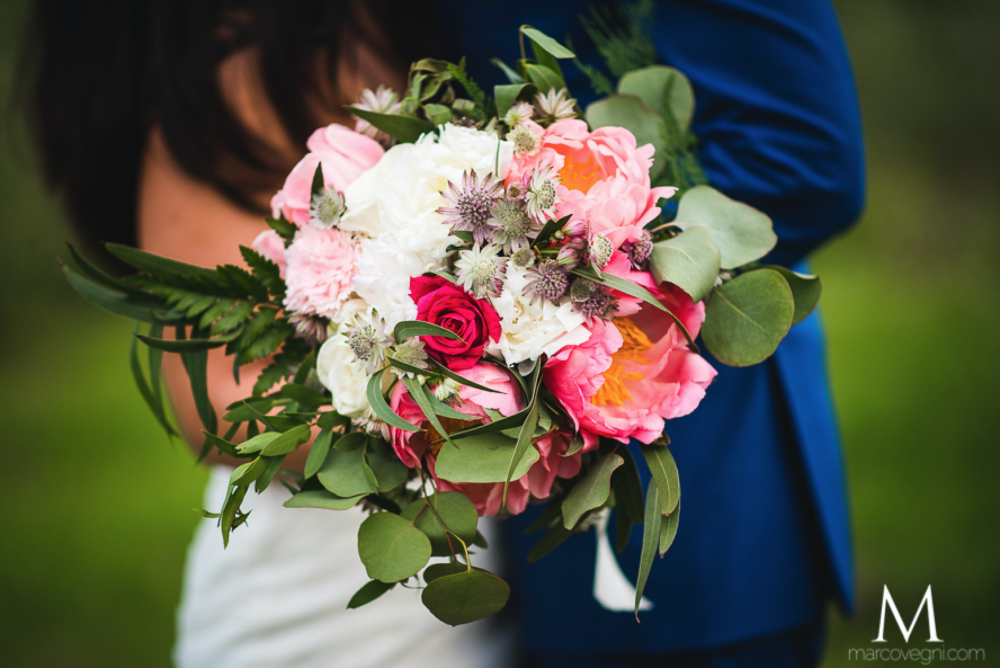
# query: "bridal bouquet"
{"points": [[471, 303]]}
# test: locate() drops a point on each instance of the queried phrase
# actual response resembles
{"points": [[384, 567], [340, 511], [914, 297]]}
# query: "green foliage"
{"points": [[344, 472], [320, 498], [741, 233], [402, 128], [484, 458], [689, 260], [462, 598], [620, 34], [665, 90], [806, 290], [650, 540], [591, 492], [668, 486], [443, 513], [668, 529], [392, 548], [368, 593], [747, 317], [407, 328], [317, 453]]}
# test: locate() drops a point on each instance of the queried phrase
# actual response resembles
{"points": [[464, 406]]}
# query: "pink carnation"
{"points": [[271, 247], [604, 177], [633, 373], [343, 153], [319, 271], [410, 447]]}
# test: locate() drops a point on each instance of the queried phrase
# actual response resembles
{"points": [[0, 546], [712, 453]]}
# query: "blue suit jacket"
{"points": [[764, 535]]}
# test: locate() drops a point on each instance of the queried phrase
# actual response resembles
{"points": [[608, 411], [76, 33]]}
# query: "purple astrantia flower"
{"points": [[480, 270], [470, 205], [592, 300], [600, 250], [638, 251], [525, 141], [546, 282], [555, 104], [367, 339], [511, 224]]}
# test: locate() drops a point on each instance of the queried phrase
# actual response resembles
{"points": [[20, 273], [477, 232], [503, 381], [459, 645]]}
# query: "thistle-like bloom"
{"points": [[447, 390], [311, 327], [556, 104], [540, 195], [511, 225], [518, 114], [326, 208], [546, 282], [638, 251], [592, 300], [471, 204], [480, 270], [600, 250], [410, 352], [372, 424], [569, 255], [384, 101], [366, 337], [525, 141], [523, 257]]}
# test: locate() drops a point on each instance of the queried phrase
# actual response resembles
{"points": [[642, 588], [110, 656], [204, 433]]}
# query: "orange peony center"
{"points": [[614, 391], [580, 175]]}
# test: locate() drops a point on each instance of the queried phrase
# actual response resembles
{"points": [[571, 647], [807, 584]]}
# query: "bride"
{"points": [[172, 130]]}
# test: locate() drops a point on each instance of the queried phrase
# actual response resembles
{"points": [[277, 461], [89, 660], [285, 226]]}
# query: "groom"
{"points": [[764, 539]]}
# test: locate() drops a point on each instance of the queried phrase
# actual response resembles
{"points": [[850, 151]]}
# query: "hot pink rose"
{"points": [[343, 153], [443, 303], [633, 373], [319, 271], [487, 497]]}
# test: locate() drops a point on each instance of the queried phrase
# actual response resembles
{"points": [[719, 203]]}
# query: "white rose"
{"points": [[529, 330], [341, 373]]}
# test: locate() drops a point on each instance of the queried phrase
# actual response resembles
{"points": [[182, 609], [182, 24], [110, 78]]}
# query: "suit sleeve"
{"points": [[777, 112]]}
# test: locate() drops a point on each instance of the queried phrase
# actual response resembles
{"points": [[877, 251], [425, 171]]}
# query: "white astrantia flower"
{"points": [[532, 329], [341, 373], [393, 209]]}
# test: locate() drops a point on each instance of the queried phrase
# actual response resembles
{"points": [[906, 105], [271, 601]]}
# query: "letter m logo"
{"points": [[928, 600]]}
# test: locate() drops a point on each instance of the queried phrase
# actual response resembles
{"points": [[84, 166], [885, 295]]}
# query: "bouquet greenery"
{"points": [[469, 303]]}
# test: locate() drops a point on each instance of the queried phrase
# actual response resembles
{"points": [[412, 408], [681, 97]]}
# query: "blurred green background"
{"points": [[94, 501]]}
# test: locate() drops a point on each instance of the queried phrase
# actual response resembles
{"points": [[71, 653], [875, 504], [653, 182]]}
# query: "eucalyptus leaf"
{"points": [[650, 541], [304, 395], [465, 597], [245, 474], [257, 443], [343, 473], [288, 441], [273, 466], [419, 394], [664, 89], [544, 78], [457, 513], [368, 593], [689, 260], [806, 290], [320, 498], [460, 379], [591, 492], [628, 487], [406, 129], [435, 571], [668, 530], [484, 458], [392, 548], [741, 233], [512, 75], [243, 411], [223, 445], [318, 452], [389, 472], [554, 48], [747, 317], [664, 470], [407, 328], [382, 409], [506, 95]]}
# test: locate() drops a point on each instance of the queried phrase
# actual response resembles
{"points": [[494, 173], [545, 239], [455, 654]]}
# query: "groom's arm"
{"points": [[777, 112]]}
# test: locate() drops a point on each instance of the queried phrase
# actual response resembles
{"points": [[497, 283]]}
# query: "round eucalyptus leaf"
{"points": [[740, 232], [689, 260], [747, 317], [455, 510], [391, 548], [806, 291], [663, 89], [465, 597], [435, 571]]}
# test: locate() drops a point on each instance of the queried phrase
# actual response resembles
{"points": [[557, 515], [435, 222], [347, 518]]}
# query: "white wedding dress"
{"points": [[277, 598]]}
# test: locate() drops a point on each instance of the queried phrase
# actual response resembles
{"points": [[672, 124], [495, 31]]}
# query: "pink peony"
{"points": [[633, 373], [319, 271], [604, 177], [271, 247], [487, 497], [441, 302], [343, 153]]}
